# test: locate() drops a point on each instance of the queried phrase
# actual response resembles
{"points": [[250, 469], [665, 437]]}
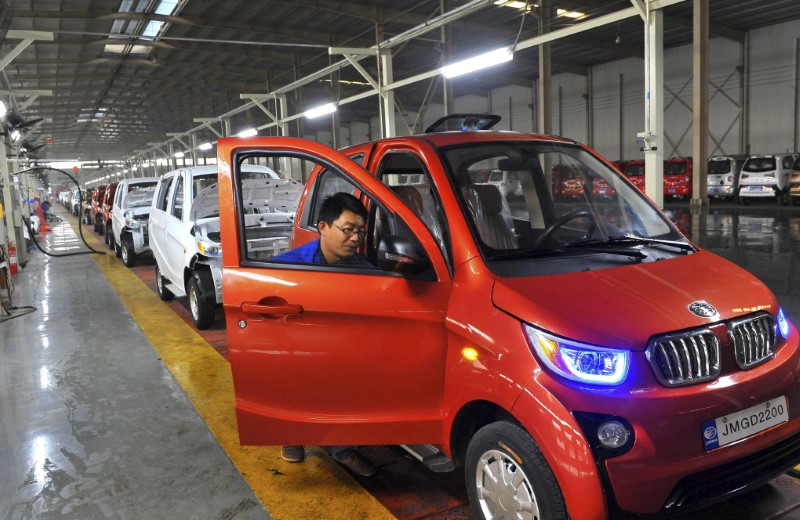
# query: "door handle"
{"points": [[274, 310]]}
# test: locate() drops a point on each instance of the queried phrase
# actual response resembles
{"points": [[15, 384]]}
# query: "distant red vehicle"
{"points": [[567, 182], [97, 207], [602, 190], [108, 203], [678, 178], [634, 171]]}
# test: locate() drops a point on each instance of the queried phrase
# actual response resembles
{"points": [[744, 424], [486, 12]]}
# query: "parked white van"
{"points": [[129, 215], [185, 237], [766, 176]]}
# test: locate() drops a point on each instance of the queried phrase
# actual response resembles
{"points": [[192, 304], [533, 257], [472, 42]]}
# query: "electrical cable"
{"points": [[80, 228]]}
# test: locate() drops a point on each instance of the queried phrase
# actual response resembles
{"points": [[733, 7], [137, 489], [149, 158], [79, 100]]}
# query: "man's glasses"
{"points": [[349, 232]]}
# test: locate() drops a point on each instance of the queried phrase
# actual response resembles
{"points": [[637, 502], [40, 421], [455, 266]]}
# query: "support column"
{"points": [[387, 77], [700, 104], [545, 73], [653, 135]]}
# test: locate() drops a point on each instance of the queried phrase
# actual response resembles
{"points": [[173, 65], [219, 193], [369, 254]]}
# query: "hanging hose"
{"points": [[80, 228]]}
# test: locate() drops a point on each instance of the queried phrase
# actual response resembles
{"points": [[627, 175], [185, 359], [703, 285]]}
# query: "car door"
{"points": [[330, 354], [172, 245], [157, 221]]}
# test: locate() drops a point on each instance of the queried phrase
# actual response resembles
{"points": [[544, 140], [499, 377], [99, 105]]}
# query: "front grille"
{"points": [[685, 358], [738, 476], [753, 340]]}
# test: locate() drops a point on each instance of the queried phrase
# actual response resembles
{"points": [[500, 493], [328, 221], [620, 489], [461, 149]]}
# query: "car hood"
{"points": [[625, 306], [258, 195]]}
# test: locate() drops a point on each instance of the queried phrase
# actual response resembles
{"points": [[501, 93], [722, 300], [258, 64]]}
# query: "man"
{"points": [[342, 221]]}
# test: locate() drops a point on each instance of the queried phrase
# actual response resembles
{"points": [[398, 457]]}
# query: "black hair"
{"points": [[334, 205]]}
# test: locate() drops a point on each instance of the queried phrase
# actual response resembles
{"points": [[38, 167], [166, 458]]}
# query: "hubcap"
{"points": [[503, 488], [193, 302]]}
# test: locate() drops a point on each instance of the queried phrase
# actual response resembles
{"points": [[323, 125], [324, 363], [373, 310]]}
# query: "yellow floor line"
{"points": [[317, 488]]}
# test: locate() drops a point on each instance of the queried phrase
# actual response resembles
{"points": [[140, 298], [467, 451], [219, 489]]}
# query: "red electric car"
{"points": [[575, 357]]}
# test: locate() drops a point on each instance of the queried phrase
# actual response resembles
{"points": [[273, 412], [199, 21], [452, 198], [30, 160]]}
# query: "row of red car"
{"points": [[568, 183]]}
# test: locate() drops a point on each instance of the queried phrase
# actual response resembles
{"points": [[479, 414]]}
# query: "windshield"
{"points": [[140, 195], [557, 207]]}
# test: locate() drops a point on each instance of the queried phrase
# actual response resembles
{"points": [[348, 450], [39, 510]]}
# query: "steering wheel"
{"points": [[547, 233]]}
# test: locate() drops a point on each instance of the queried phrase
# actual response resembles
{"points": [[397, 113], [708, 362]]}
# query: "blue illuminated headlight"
{"points": [[579, 361], [783, 324]]}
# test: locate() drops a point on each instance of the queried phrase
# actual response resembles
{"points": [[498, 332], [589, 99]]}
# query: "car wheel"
{"points": [[796, 201], [109, 236], [161, 286], [783, 196], [117, 247], [743, 201], [508, 477], [128, 253], [202, 308]]}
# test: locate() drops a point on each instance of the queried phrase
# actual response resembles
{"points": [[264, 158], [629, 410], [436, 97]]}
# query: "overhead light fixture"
{"points": [[481, 61], [178, 155], [3, 111], [328, 108], [205, 146], [250, 132], [570, 14], [516, 4]]}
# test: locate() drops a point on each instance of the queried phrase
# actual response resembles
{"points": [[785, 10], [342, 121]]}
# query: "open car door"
{"points": [[327, 354]]}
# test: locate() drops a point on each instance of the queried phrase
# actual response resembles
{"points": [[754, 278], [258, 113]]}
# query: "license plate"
{"points": [[742, 424], [671, 190], [755, 188]]}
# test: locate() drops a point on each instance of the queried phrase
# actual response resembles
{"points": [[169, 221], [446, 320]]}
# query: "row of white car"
{"points": [[175, 218], [754, 177]]}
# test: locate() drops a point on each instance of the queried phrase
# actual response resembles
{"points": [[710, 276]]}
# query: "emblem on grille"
{"points": [[702, 309]]}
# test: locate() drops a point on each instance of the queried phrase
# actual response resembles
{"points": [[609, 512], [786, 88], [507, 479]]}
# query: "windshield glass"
{"points": [[558, 205]]}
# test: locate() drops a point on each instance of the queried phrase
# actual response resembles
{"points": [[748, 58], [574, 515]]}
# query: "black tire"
{"points": [[493, 459], [743, 201], [783, 197], [117, 247], [109, 236], [161, 287], [128, 253], [200, 304]]}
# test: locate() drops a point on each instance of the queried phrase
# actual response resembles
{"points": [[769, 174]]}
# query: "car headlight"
{"points": [[209, 248], [130, 222], [579, 361], [783, 324]]}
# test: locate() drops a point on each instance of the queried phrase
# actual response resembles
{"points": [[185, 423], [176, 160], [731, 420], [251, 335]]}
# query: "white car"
{"points": [[185, 234], [129, 217], [723, 175], [766, 176]]}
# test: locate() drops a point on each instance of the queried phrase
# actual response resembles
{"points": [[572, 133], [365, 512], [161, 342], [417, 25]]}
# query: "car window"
{"points": [[177, 199], [405, 174], [787, 162], [266, 238], [161, 197]]}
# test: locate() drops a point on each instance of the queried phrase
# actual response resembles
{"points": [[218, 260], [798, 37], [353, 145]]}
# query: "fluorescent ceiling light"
{"points": [[569, 14], [478, 62], [516, 4], [250, 132], [3, 110], [178, 155], [328, 108], [205, 146]]}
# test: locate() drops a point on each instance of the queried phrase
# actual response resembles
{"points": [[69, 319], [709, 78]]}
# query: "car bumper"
{"points": [[757, 191], [668, 460]]}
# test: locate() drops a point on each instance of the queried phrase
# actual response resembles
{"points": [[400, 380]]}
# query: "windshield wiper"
{"points": [[522, 253], [632, 241]]}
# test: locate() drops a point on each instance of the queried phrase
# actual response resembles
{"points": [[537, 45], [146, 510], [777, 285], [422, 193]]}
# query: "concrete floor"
{"points": [[112, 407]]}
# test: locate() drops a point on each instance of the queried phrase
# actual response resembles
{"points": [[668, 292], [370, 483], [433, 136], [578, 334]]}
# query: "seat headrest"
{"points": [[489, 197], [411, 197]]}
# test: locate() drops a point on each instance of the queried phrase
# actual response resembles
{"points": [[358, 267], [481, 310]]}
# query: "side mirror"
{"points": [[401, 255]]}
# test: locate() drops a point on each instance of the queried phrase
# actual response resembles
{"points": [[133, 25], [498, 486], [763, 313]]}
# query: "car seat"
{"points": [[485, 203]]}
